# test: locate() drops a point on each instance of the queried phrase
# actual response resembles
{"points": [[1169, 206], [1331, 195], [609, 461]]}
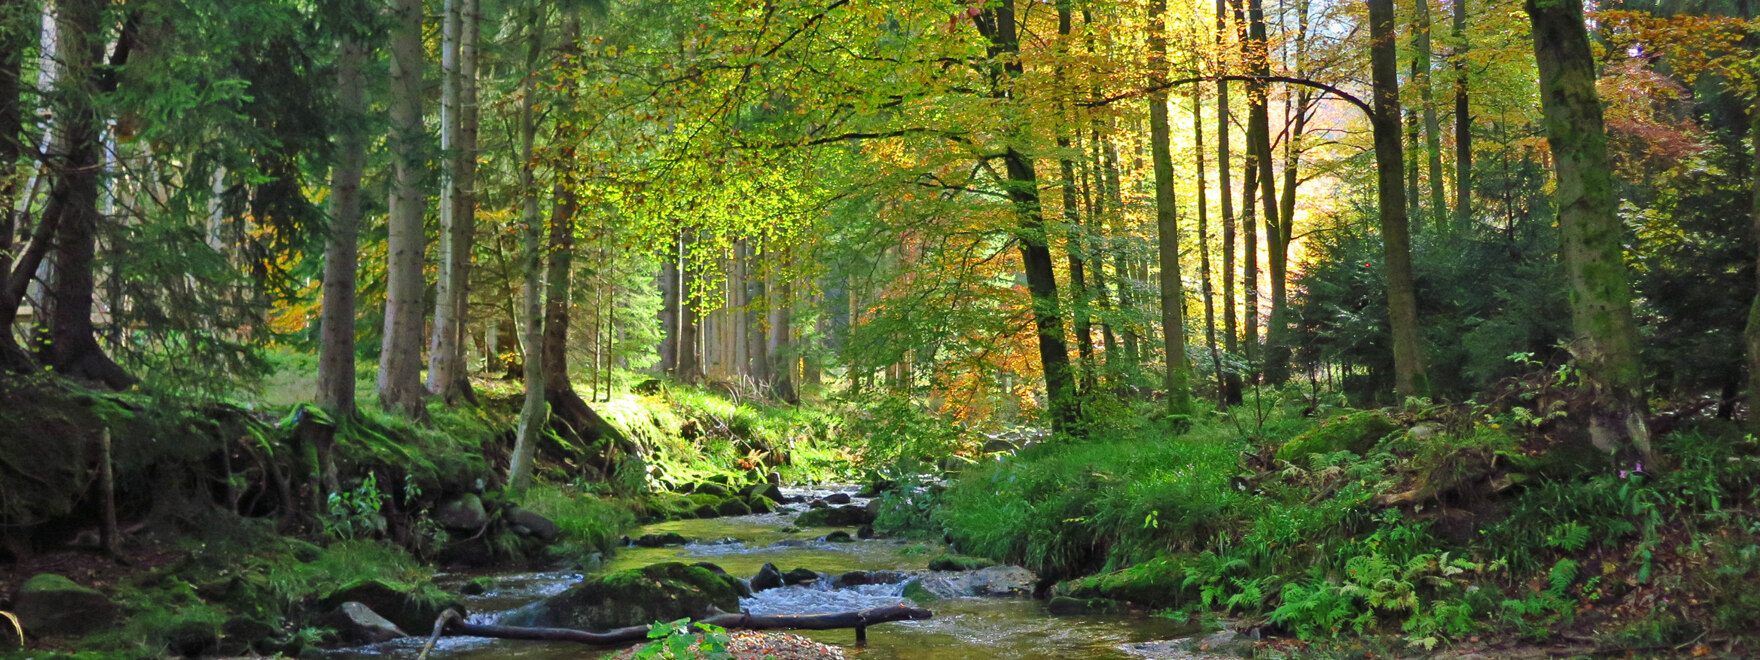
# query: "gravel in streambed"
{"points": [[753, 645]]}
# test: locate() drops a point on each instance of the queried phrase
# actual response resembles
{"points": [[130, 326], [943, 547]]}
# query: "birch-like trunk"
{"points": [[400, 360]]}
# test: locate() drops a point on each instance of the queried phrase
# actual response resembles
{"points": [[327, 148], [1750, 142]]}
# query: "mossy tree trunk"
{"points": [[1752, 334], [1396, 242], [1601, 309], [532, 414], [1173, 299]]}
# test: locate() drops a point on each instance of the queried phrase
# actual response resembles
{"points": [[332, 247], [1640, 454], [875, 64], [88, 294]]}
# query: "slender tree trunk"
{"points": [[458, 115], [400, 361], [1752, 334], [1413, 169], [1258, 55], [1231, 382], [71, 347], [464, 226], [781, 351], [533, 413], [1204, 246], [16, 35], [1606, 347], [1173, 299], [1402, 302], [999, 27], [690, 353], [1463, 123], [1074, 245], [757, 320], [1094, 185], [341, 249], [669, 308], [1426, 56], [1122, 279], [1250, 261]]}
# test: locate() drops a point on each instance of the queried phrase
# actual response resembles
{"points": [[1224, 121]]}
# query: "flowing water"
{"points": [[962, 629]]}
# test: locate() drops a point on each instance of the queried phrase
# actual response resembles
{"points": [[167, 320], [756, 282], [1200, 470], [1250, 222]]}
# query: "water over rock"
{"points": [[993, 582], [768, 577], [659, 592]]}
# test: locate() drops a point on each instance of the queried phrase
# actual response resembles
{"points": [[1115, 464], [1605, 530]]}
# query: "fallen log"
{"points": [[451, 624]]}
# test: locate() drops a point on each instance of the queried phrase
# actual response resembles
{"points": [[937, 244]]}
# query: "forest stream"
{"points": [[962, 628]]}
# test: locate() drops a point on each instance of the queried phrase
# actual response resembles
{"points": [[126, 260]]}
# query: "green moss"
{"points": [[659, 592], [1354, 432], [955, 563], [1156, 583]]}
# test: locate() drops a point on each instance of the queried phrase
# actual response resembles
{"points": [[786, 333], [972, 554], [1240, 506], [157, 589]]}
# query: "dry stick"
{"points": [[451, 623], [111, 536]]}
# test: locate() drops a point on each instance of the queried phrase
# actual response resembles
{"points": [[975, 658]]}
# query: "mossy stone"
{"points": [[1355, 432], [952, 563], [52, 605], [1156, 583], [839, 516], [411, 607], [733, 506], [659, 592]]}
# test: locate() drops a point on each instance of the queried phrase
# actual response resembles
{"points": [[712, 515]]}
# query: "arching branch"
{"points": [[1329, 89]]}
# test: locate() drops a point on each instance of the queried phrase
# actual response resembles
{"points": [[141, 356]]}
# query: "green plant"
{"points": [[355, 513], [682, 639]]}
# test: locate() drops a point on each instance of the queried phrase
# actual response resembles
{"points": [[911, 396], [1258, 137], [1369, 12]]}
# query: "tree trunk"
{"points": [[1463, 124], [1173, 299], [1752, 334], [532, 414], [757, 320], [781, 350], [1396, 249], [400, 361], [669, 309], [15, 37], [1204, 273], [1074, 245], [341, 249], [1425, 57], [1121, 272], [446, 377], [71, 347], [690, 355], [1250, 260], [1231, 382], [1259, 142], [1606, 347], [999, 27]]}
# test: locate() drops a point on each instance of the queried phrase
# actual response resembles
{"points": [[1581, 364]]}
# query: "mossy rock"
{"points": [[837, 516], [1354, 432], [952, 563], [733, 506], [761, 504], [411, 607], [659, 592], [1156, 583], [1067, 606], [52, 605]]}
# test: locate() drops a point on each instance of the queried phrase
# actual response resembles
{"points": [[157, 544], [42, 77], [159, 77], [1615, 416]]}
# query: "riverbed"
{"points": [[962, 628]]}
